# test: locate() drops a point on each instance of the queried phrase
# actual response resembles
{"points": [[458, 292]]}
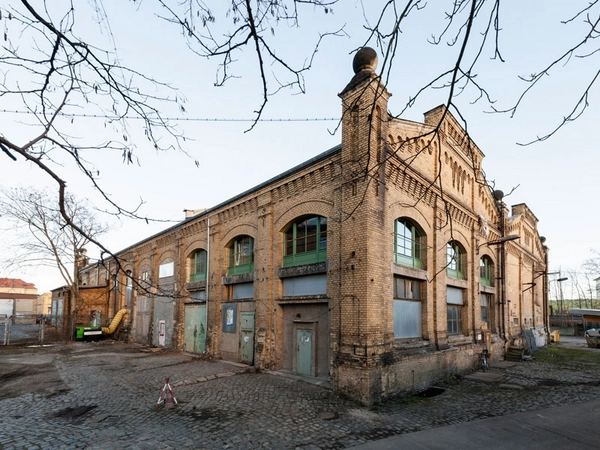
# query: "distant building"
{"points": [[17, 297], [44, 304], [383, 264], [61, 302]]}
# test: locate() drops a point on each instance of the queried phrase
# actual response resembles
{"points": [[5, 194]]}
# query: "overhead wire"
{"points": [[188, 119]]}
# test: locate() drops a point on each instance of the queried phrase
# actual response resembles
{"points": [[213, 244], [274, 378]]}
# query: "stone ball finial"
{"points": [[365, 59]]}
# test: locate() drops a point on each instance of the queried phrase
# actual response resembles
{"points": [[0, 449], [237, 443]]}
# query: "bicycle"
{"points": [[485, 366]]}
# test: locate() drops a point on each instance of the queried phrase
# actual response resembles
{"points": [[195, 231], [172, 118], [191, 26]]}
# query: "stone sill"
{"points": [[304, 299]]}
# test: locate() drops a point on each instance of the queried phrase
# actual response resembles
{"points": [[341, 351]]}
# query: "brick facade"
{"points": [[338, 318]]}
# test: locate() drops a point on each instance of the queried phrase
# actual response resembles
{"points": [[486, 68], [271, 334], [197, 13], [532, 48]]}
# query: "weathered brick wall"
{"points": [[432, 176], [93, 298], [386, 169]]}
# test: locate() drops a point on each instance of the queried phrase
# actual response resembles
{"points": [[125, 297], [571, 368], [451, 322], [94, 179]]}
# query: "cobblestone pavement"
{"points": [[103, 396]]}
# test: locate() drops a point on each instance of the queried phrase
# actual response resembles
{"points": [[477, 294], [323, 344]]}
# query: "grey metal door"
{"points": [[142, 320], [162, 333], [304, 351], [247, 337], [57, 312], [194, 339]]}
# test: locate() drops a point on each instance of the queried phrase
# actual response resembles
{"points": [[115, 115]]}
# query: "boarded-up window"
{"points": [[243, 290], [407, 308], [307, 285]]}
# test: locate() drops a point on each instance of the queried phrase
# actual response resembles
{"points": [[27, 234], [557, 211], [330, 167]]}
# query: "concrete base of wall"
{"points": [[400, 372]]}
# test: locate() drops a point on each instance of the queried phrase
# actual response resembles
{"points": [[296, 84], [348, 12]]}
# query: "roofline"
{"points": [[282, 175], [586, 312], [528, 209]]}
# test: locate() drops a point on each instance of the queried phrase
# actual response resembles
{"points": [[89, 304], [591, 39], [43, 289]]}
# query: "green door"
{"points": [[195, 328], [304, 351], [247, 337]]}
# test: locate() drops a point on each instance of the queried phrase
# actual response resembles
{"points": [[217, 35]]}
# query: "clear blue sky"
{"points": [[556, 178]]}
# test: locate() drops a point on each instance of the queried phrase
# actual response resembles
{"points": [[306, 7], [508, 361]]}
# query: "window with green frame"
{"points": [[198, 265], [241, 256], [305, 241], [455, 260], [486, 271], [407, 244]]}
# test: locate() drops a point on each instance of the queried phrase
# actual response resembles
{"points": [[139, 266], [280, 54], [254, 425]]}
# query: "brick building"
{"points": [[44, 304], [383, 264]]}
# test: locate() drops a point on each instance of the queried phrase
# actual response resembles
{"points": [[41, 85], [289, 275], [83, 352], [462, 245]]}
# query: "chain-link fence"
{"points": [[42, 329]]}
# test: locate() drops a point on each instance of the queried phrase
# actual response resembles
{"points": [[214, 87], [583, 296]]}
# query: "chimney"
{"points": [[192, 212]]}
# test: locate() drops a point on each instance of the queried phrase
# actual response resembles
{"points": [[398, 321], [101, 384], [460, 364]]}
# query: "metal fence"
{"points": [[39, 329], [569, 324]]}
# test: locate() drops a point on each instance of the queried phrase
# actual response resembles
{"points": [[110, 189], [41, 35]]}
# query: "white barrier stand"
{"points": [[166, 397]]}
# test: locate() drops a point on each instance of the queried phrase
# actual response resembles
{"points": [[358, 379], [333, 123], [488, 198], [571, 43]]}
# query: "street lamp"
{"points": [[498, 197], [559, 281]]}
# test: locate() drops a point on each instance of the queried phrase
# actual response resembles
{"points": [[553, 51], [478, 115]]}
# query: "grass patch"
{"points": [[555, 355]]}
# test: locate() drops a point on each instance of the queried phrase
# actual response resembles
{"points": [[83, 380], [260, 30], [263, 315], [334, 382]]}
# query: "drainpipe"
{"points": [[545, 287], [207, 283], [498, 196]]}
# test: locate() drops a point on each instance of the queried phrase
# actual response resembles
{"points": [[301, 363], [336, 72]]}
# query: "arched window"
{"points": [[241, 256], [166, 268], [407, 244], [305, 241], [198, 265], [129, 289], [486, 271], [455, 260], [144, 279]]}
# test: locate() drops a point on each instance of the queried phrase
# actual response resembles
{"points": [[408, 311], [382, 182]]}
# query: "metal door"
{"points": [[247, 337], [304, 351], [194, 335], [163, 312], [142, 320], [57, 312]]}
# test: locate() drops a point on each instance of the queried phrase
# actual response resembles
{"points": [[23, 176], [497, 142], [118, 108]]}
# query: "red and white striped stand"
{"points": [[166, 397]]}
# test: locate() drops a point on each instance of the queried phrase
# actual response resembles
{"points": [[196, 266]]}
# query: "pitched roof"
{"points": [[16, 283]]}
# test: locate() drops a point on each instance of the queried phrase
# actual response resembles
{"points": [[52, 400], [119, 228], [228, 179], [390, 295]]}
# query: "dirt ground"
{"points": [[34, 374], [33, 369]]}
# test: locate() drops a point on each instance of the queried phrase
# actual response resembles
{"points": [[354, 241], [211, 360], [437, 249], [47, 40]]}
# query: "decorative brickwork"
{"points": [[373, 325]]}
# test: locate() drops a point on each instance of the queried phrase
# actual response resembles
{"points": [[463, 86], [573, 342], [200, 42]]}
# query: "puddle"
{"points": [[44, 345], [430, 392]]}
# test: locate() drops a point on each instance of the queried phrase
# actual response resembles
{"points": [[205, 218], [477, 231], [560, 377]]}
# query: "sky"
{"points": [[556, 178]]}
